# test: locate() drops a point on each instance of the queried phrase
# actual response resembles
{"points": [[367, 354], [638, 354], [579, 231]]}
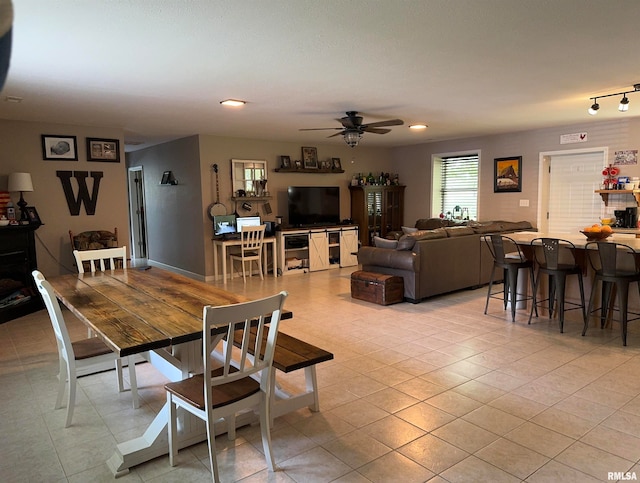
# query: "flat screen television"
{"points": [[314, 205]]}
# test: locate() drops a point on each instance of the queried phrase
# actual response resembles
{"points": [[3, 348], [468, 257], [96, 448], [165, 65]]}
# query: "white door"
{"points": [[568, 181], [348, 247], [318, 251]]}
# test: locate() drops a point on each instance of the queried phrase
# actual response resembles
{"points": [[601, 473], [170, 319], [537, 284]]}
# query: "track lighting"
{"points": [[624, 102]]}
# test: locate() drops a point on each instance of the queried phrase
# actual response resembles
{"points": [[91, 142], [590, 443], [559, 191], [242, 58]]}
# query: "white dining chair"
{"points": [[232, 380], [113, 257], [75, 356], [251, 249]]}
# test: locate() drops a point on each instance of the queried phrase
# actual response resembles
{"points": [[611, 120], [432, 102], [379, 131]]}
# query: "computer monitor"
{"points": [[247, 221], [224, 225]]}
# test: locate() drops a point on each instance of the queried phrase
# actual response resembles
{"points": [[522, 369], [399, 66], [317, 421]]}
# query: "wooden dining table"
{"points": [[154, 313]]}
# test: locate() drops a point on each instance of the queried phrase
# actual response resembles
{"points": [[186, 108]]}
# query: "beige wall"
{"points": [[22, 152], [414, 164], [221, 150]]}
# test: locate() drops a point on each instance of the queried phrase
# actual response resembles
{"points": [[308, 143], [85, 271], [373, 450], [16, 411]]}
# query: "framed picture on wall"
{"points": [[507, 174], [58, 147], [105, 150], [310, 157]]}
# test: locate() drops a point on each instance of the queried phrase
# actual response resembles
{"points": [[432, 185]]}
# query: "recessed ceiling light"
{"points": [[15, 99], [233, 102], [418, 126]]}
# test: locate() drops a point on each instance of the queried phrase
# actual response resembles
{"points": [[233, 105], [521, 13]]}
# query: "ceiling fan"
{"points": [[352, 128]]}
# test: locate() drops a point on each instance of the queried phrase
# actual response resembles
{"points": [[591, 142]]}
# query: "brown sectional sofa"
{"points": [[438, 259]]}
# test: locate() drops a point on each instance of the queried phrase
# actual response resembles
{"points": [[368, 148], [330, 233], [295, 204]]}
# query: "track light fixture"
{"points": [[624, 102]]}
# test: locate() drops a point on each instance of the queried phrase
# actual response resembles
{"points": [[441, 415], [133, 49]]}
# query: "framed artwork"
{"points": [[298, 164], [55, 147], [507, 174], [32, 215], [336, 164], [285, 162], [106, 150], [310, 157]]}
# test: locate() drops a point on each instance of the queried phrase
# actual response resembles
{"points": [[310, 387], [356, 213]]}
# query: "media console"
{"points": [[303, 250]]}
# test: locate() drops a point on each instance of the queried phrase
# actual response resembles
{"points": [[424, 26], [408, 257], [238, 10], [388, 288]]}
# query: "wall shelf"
{"points": [[604, 194], [307, 170], [250, 198]]}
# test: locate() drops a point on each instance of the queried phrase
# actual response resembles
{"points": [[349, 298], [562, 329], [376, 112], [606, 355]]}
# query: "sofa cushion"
{"points": [[459, 231], [379, 242], [406, 242], [430, 223], [429, 234], [407, 229], [486, 228]]}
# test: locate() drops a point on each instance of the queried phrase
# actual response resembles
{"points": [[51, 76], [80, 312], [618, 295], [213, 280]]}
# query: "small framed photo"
{"points": [[285, 162], [32, 215], [507, 174], [105, 150], [55, 147], [326, 165], [310, 157], [298, 164], [336, 164]]}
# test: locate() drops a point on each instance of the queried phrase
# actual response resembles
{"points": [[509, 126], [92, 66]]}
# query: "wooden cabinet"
{"points": [[18, 294], [314, 249], [377, 210]]}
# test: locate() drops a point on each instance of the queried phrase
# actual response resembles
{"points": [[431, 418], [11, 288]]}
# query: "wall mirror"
{"points": [[249, 176]]}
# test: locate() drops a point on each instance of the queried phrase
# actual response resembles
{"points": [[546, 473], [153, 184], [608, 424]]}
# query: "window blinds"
{"points": [[459, 184]]}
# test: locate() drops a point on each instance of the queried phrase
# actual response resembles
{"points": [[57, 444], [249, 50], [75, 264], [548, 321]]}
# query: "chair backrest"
{"points": [[615, 259], [252, 238], [553, 250], [252, 319], [499, 245], [109, 254], [65, 349]]}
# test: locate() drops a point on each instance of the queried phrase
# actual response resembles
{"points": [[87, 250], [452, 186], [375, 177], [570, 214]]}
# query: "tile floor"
{"points": [[430, 392]]}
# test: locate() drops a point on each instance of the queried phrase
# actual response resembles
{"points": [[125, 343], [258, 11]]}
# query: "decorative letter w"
{"points": [[83, 192]]}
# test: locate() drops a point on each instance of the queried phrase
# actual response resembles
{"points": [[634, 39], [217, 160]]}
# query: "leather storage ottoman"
{"points": [[379, 288]]}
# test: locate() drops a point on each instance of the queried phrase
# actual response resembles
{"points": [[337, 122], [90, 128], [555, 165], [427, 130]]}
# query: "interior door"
{"points": [[137, 214]]}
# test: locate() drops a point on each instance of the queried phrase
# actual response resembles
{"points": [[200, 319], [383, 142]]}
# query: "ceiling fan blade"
{"points": [[375, 130], [319, 128], [336, 134], [390, 122]]}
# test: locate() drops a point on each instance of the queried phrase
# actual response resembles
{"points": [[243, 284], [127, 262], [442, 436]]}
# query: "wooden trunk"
{"points": [[378, 288]]}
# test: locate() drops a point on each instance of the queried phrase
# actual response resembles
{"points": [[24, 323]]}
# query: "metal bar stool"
{"points": [[510, 262], [618, 267], [557, 261]]}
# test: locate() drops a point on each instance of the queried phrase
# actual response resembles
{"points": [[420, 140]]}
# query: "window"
{"points": [[455, 185]]}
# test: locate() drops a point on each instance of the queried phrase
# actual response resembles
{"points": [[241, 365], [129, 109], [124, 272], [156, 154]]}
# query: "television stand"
{"points": [[303, 250]]}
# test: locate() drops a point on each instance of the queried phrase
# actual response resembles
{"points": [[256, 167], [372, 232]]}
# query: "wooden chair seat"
{"points": [[87, 348]]}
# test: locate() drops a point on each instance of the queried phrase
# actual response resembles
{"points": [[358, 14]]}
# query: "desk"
{"points": [[155, 313], [223, 244]]}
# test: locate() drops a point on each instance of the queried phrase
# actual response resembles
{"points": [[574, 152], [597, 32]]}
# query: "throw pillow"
{"points": [[406, 242], [379, 242], [407, 229]]}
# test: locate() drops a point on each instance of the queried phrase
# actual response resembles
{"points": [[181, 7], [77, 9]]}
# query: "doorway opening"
{"points": [[137, 216]]}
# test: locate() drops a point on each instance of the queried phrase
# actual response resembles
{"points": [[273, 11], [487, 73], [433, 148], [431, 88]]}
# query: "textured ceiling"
{"points": [[158, 68]]}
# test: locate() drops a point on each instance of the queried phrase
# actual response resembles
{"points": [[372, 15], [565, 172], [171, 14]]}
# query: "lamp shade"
{"points": [[20, 182]]}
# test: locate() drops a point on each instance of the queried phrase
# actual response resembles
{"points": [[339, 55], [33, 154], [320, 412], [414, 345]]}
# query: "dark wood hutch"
{"points": [[18, 294]]}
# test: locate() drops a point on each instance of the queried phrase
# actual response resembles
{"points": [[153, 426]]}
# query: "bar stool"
{"points": [[549, 263], [618, 267], [510, 263]]}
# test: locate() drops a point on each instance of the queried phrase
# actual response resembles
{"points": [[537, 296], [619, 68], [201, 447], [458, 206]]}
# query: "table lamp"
{"points": [[21, 182]]}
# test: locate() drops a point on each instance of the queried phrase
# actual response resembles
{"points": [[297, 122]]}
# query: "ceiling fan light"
{"points": [[352, 138], [418, 126], [233, 102], [593, 110], [624, 104]]}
